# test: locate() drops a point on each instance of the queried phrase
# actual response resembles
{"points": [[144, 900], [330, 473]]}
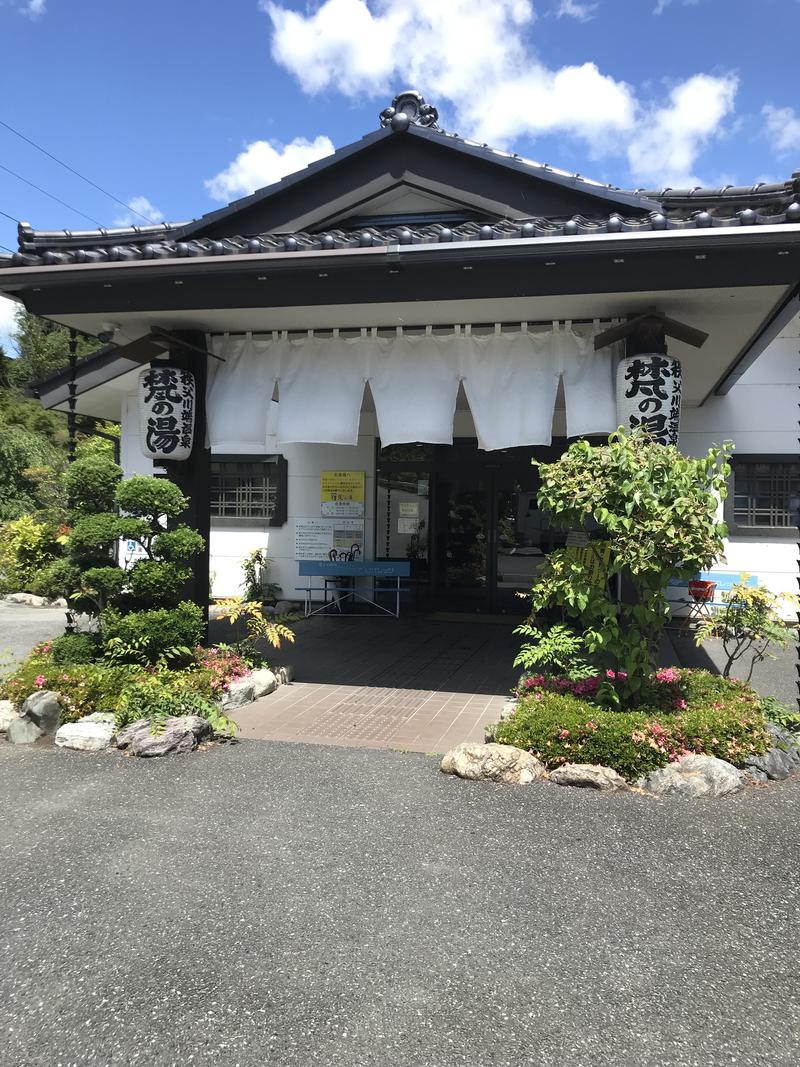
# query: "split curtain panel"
{"points": [[510, 379]]}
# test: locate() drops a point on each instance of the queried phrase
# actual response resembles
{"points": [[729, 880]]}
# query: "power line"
{"points": [[58, 201], [77, 174], [7, 216], [11, 250]]}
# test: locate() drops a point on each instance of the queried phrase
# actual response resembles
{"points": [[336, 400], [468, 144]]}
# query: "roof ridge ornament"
{"points": [[409, 109]]}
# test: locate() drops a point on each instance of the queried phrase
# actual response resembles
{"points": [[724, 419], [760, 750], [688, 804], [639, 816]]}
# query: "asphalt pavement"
{"points": [[22, 627], [266, 903]]}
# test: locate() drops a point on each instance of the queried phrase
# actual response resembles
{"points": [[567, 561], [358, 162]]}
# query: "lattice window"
{"points": [[249, 488], [766, 494]]}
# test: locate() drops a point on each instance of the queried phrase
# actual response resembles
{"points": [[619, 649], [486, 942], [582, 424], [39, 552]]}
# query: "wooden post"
{"points": [[193, 476]]}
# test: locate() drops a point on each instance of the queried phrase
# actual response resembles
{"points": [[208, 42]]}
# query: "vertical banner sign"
{"points": [[649, 396], [341, 493], [166, 406]]}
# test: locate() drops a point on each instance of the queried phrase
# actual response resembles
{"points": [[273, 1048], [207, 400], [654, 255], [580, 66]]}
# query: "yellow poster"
{"points": [[595, 557], [341, 493]]}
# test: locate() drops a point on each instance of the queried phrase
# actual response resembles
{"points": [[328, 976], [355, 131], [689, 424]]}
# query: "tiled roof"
{"points": [[644, 210], [139, 243]]}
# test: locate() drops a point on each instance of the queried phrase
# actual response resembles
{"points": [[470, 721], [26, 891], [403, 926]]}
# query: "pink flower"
{"points": [[39, 681], [563, 735]]}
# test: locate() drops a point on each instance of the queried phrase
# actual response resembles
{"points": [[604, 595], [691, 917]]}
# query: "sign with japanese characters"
{"points": [[649, 396], [341, 493], [167, 406], [329, 539]]}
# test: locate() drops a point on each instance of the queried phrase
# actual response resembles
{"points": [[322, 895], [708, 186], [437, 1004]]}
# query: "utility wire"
{"points": [[11, 250], [10, 217], [14, 174], [72, 170]]}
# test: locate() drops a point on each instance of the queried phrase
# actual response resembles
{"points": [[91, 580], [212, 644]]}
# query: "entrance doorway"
{"points": [[467, 520]]}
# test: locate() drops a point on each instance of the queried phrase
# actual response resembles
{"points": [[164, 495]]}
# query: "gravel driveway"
{"points": [[265, 903]]}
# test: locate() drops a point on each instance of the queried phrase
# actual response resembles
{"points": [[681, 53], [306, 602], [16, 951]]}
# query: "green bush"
{"points": [[26, 547], [178, 544], [74, 648], [721, 718], [83, 688], [155, 630], [61, 578], [155, 697], [152, 582], [91, 483], [151, 498]]}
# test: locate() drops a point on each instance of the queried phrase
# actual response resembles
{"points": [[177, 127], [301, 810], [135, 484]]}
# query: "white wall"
{"points": [[760, 416]]}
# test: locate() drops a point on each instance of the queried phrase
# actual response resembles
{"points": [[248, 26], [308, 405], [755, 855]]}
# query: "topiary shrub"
{"points": [[74, 648], [148, 634], [692, 712], [91, 483]]}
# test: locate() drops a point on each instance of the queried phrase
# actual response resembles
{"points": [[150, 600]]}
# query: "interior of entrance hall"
{"points": [[467, 521]]}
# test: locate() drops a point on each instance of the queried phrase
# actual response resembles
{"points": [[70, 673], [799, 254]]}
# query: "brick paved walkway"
{"points": [[418, 684]]}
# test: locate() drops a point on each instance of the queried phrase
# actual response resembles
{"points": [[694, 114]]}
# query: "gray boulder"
{"points": [[43, 709], [694, 776], [8, 714], [23, 732], [30, 599], [264, 682], [284, 607], [492, 763], [181, 734], [285, 675], [238, 693], [588, 776], [84, 735], [787, 741], [775, 764]]}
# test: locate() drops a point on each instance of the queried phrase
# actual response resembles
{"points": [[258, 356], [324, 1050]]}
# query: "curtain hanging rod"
{"points": [[518, 324]]}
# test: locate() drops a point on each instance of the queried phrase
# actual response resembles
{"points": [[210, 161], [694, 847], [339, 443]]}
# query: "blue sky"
{"points": [[178, 105]]}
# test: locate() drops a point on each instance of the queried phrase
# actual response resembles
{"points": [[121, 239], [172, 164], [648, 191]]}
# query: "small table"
{"points": [[336, 574]]}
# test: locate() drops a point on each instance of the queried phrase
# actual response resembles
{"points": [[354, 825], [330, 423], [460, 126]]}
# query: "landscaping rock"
{"points": [[85, 736], [775, 764], [30, 599], [238, 693], [98, 716], [694, 776], [180, 735], [786, 741], [285, 675], [284, 607], [492, 763], [588, 776], [23, 732], [8, 714], [508, 709], [264, 682], [43, 709]]}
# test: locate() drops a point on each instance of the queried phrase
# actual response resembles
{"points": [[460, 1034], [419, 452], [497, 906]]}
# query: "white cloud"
{"points": [[662, 5], [574, 9], [783, 129], [34, 8], [139, 206], [7, 323], [265, 162], [476, 63], [472, 55], [664, 149]]}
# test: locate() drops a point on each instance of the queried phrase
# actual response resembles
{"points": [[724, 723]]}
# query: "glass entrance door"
{"points": [[463, 542]]}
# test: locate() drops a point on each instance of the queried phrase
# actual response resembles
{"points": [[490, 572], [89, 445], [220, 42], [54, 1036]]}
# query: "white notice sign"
{"points": [[319, 538]]}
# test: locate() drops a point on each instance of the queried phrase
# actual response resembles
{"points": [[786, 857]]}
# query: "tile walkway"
{"points": [[418, 684]]}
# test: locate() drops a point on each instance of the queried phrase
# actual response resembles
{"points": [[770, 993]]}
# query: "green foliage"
{"points": [[21, 450], [26, 547], [259, 628], [656, 509], [780, 714], [721, 719], [156, 697], [178, 545], [150, 499], [91, 482], [748, 623], [151, 582], [554, 651], [151, 632], [257, 587], [83, 688], [69, 649], [94, 536], [43, 349], [61, 578]]}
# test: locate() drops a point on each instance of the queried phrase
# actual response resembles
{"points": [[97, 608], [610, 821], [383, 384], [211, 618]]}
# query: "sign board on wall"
{"points": [[318, 538], [341, 493]]}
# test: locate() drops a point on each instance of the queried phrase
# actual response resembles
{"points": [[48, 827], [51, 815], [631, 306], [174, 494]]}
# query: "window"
{"points": [[249, 489], [765, 497]]}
